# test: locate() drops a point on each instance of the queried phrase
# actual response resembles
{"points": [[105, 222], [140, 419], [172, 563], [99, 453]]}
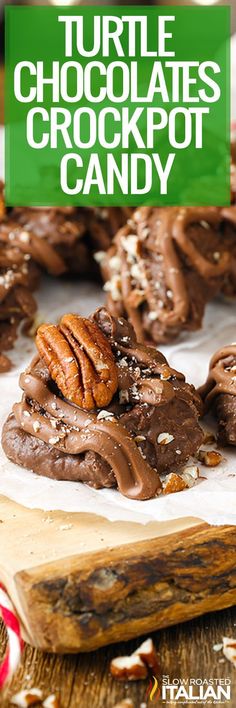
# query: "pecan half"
{"points": [[80, 361]]}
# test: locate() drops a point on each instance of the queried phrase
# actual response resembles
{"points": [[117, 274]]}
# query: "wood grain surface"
{"points": [[83, 681], [121, 592], [79, 581]]}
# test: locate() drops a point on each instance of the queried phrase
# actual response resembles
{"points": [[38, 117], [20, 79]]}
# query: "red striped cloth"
{"points": [[15, 642]]}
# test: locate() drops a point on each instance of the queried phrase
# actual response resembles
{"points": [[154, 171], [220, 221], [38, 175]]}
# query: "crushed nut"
{"points": [[131, 245], [36, 426], [217, 647], [229, 649], [190, 475], [113, 286], [164, 438], [24, 237], [136, 666], [123, 396], [210, 458], [123, 362], [26, 698], [105, 415], [128, 668], [99, 256], [148, 654], [115, 263], [174, 483], [53, 441], [51, 702], [152, 315]]}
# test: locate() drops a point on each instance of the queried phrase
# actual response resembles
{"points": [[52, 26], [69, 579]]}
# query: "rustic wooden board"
{"points": [[84, 680], [80, 582]]}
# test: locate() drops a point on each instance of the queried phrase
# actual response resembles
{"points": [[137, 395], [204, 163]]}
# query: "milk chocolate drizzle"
{"points": [[221, 378], [77, 431], [19, 276], [167, 227], [38, 248]]}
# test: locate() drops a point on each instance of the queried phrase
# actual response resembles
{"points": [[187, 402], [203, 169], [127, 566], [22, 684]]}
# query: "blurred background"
{"points": [[232, 3]]}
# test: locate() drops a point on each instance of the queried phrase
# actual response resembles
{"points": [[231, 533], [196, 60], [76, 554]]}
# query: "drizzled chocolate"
{"points": [[78, 432], [229, 237], [30, 245], [65, 238], [219, 392], [150, 425], [58, 240], [164, 266], [222, 374], [18, 278]]}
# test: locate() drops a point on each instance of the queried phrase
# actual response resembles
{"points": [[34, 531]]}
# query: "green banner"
{"points": [[117, 106]]}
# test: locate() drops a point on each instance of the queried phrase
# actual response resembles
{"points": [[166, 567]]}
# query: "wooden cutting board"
{"points": [[79, 581]]}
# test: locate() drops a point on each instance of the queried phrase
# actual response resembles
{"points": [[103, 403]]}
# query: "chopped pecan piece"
{"points": [[229, 649], [136, 665], [80, 361], [128, 668], [190, 474], [51, 702], [210, 458], [174, 483], [28, 697], [148, 654]]}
